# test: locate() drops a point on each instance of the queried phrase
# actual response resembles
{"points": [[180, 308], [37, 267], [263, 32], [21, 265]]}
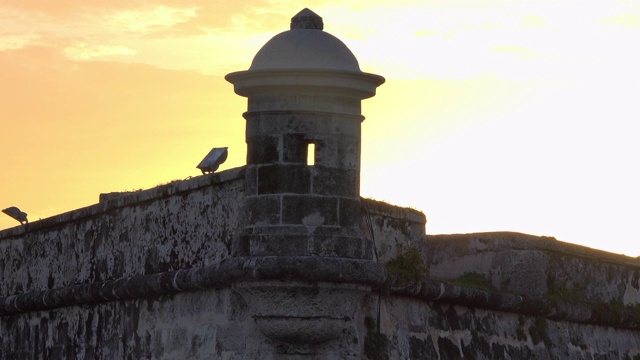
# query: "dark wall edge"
{"points": [[114, 201], [223, 274]]}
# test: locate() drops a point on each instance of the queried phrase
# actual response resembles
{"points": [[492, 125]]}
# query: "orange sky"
{"points": [[496, 115]]}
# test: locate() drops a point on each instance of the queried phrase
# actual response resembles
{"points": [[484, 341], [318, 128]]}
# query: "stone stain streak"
{"points": [[425, 332]]}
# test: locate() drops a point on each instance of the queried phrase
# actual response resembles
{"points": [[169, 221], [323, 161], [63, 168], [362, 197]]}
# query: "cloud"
{"points": [[169, 34], [132, 13], [15, 41], [83, 51], [147, 20]]}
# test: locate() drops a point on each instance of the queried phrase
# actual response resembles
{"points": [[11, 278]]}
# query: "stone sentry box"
{"points": [[304, 87]]}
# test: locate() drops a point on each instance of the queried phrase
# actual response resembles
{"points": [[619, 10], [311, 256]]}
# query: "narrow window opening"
{"points": [[311, 154]]}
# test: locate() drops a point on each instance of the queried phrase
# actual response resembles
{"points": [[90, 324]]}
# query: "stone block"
{"points": [[296, 209], [339, 246], [302, 314], [241, 245], [334, 181], [349, 152], [253, 126], [337, 231], [278, 245], [327, 151], [262, 124], [263, 209], [350, 214], [262, 150], [300, 230], [277, 179], [299, 123], [323, 124], [368, 250], [272, 123], [251, 181], [294, 148], [348, 125]]}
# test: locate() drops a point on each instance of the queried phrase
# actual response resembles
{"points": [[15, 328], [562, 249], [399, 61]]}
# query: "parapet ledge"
{"points": [[308, 269], [594, 313], [116, 200], [384, 209], [535, 267], [474, 243]]}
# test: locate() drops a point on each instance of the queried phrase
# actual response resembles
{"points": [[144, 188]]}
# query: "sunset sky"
{"points": [[495, 116]]}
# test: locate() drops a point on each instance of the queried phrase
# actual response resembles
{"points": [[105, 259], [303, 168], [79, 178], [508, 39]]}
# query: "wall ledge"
{"points": [[600, 314], [382, 208], [223, 274], [117, 200]]}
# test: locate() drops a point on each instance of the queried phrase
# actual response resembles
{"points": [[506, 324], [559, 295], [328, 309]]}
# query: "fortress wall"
{"points": [[190, 224], [395, 229], [438, 330], [216, 324], [179, 225], [537, 266], [208, 324], [123, 240]]}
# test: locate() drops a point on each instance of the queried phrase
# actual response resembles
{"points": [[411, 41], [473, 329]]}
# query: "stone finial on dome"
{"points": [[307, 19]]}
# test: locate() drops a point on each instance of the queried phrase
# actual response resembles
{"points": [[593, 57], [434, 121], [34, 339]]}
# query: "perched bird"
{"points": [[15, 213]]}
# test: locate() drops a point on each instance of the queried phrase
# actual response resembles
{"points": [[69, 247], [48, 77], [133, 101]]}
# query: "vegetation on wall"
{"points": [[602, 311], [474, 280], [559, 291], [408, 268]]}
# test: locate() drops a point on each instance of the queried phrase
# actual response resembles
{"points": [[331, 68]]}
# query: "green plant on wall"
{"points": [[613, 310], [474, 280], [408, 268], [559, 291]]}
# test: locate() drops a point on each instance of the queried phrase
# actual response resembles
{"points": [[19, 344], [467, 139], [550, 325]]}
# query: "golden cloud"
{"points": [[83, 51]]}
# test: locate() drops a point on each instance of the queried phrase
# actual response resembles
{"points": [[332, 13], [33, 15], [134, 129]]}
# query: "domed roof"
{"points": [[305, 46]]}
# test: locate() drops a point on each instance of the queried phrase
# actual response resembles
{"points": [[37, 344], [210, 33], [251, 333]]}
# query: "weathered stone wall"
{"points": [[179, 225], [196, 325], [136, 276], [536, 266], [206, 324], [439, 330], [394, 229], [149, 275]]}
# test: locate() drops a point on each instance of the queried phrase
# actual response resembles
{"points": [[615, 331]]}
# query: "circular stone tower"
{"points": [[302, 199], [304, 90]]}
